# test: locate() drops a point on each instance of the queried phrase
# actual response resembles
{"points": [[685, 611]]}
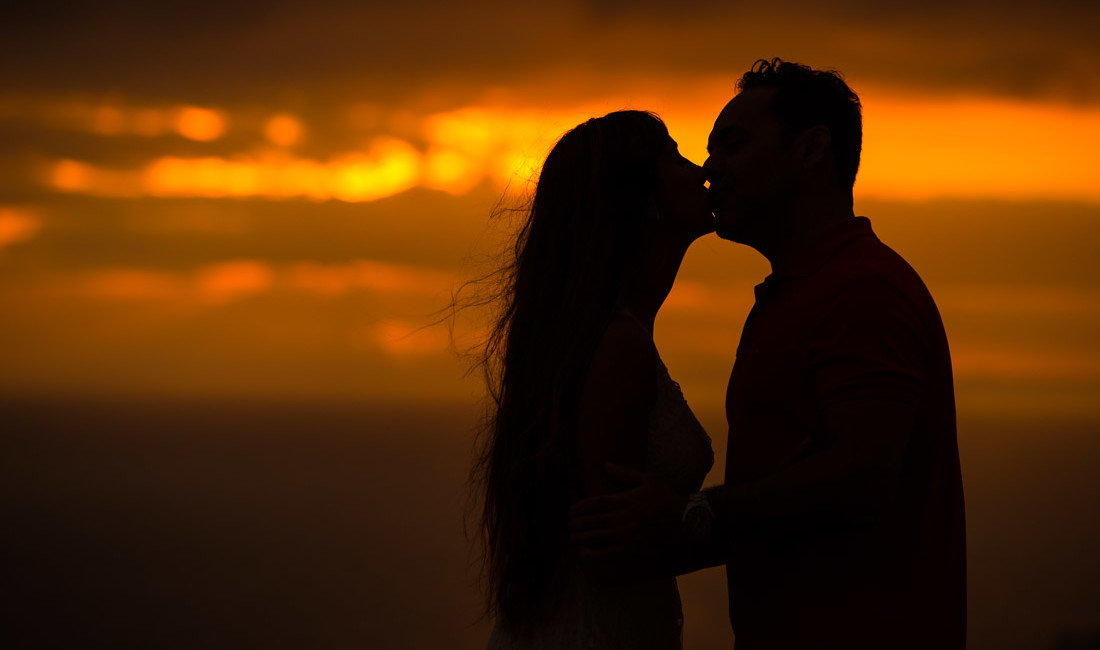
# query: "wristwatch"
{"points": [[698, 517]]}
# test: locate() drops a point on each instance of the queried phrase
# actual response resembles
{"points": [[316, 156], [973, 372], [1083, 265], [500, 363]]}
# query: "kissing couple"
{"points": [[840, 520]]}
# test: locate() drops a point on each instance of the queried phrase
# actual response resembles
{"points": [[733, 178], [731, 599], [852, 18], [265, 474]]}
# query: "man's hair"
{"points": [[805, 98]]}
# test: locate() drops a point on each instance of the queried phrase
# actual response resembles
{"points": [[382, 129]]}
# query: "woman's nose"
{"points": [[708, 169]]}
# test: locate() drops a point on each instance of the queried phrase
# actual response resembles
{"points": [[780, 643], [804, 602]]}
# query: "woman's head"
{"points": [[607, 181], [607, 189], [595, 188]]}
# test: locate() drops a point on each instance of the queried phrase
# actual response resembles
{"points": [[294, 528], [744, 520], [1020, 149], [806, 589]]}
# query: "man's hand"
{"points": [[636, 519]]}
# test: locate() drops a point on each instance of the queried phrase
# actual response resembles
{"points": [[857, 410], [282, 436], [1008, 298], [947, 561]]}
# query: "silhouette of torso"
{"points": [[643, 615], [848, 319]]}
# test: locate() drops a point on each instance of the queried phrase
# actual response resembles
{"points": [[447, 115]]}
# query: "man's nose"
{"points": [[699, 173], [708, 169]]}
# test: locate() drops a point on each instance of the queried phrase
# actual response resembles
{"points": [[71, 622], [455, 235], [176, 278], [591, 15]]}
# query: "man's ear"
{"points": [[813, 145]]}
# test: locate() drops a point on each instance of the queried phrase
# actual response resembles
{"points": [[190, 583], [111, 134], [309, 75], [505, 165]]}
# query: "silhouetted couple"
{"points": [[840, 521]]}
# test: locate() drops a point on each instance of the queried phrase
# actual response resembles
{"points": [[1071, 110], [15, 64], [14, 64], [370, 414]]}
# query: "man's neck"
{"points": [[809, 219]]}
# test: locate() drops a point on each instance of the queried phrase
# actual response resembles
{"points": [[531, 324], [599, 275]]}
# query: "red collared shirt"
{"points": [[846, 319]]}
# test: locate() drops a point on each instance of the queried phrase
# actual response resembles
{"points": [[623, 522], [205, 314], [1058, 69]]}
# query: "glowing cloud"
{"points": [[224, 282], [108, 120], [1005, 364], [503, 144], [233, 280], [367, 274], [202, 124], [215, 284], [989, 300], [149, 122], [920, 148], [17, 225], [78, 177], [71, 176], [390, 166], [915, 148], [364, 116], [284, 130], [404, 340], [132, 284], [697, 298], [111, 116], [208, 177], [450, 171]]}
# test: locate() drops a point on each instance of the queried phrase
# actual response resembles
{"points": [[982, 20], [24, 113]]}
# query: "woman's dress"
{"points": [[639, 615]]}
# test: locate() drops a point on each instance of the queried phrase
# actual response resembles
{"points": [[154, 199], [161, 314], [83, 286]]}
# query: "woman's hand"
{"points": [[641, 519]]}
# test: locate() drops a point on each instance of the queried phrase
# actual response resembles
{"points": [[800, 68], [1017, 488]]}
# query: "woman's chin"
{"points": [[703, 230], [726, 228]]}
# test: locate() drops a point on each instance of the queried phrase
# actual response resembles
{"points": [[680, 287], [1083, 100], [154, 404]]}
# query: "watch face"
{"points": [[699, 520]]}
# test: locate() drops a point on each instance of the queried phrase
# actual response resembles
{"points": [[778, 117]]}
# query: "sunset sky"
{"points": [[231, 225], [213, 198]]}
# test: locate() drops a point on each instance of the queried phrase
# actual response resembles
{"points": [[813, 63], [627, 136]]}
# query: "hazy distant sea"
{"points": [[207, 524]]}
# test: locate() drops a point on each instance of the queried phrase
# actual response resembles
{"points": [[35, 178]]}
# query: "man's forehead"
{"points": [[744, 110]]}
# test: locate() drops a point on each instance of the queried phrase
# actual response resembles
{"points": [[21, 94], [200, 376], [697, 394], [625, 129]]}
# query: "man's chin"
{"points": [[726, 228]]}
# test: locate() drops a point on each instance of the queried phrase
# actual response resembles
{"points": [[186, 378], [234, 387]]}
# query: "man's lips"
{"points": [[713, 193]]}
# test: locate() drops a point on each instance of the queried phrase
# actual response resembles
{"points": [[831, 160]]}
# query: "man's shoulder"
{"points": [[869, 250], [868, 264]]}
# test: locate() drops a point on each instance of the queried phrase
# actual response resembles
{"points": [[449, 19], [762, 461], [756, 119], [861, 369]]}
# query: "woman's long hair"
{"points": [[583, 232]]}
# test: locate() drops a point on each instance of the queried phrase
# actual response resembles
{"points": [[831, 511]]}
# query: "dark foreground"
{"points": [[280, 525]]}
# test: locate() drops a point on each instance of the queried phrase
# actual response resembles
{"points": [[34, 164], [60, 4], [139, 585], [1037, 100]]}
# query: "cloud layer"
{"points": [[394, 50]]}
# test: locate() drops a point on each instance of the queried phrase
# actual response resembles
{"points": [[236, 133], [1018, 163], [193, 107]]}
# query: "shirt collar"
{"points": [[814, 255]]}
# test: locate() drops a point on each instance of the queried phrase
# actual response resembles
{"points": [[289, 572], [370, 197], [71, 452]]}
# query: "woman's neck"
{"points": [[646, 291]]}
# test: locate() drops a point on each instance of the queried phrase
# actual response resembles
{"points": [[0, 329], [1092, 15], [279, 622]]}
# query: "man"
{"points": [[841, 518]]}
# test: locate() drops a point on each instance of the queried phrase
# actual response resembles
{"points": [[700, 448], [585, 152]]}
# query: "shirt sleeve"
{"points": [[871, 343]]}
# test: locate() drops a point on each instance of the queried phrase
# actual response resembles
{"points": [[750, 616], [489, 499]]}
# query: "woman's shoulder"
{"points": [[626, 335], [625, 351]]}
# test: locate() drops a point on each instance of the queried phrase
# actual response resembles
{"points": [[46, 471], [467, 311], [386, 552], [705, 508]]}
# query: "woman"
{"points": [[576, 382]]}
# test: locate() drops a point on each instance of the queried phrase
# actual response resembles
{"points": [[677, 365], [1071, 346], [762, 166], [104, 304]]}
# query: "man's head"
{"points": [[791, 130]]}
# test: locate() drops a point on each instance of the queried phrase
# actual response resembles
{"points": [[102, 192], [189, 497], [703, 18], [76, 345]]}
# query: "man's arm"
{"points": [[846, 483], [868, 367]]}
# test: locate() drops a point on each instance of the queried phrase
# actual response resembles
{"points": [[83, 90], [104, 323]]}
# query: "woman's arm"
{"points": [[615, 403], [613, 428]]}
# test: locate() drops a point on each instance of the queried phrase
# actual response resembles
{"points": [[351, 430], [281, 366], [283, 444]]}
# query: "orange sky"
{"points": [[917, 146], [236, 199], [283, 219]]}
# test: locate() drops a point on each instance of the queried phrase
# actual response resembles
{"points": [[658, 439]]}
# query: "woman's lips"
{"points": [[712, 198]]}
